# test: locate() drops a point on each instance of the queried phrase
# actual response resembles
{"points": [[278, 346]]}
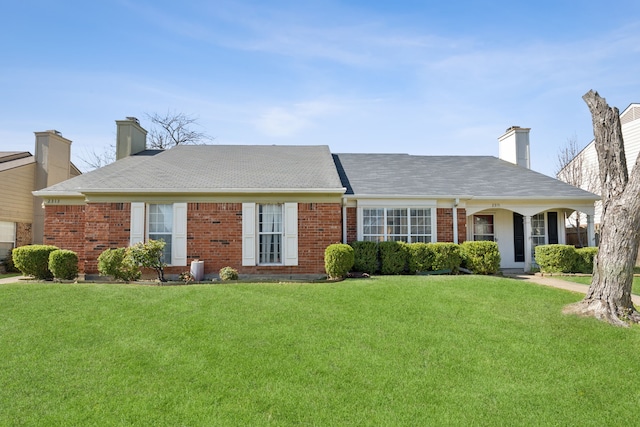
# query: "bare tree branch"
{"points": [[172, 128], [95, 159], [574, 169]]}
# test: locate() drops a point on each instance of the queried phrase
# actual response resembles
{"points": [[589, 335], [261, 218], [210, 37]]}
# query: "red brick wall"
{"points": [[462, 225], [107, 226], [88, 230], [214, 234], [352, 225], [23, 234], [444, 218], [64, 227]]}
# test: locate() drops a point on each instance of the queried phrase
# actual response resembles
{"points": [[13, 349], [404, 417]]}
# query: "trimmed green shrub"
{"points": [[556, 258], [149, 255], [338, 260], [394, 257], [584, 259], [365, 257], [446, 256], [63, 264], [9, 266], [421, 257], [117, 264], [482, 257], [33, 260], [228, 273]]}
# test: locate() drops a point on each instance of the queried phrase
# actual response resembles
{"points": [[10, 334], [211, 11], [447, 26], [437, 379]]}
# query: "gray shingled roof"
{"points": [[213, 168], [447, 176]]}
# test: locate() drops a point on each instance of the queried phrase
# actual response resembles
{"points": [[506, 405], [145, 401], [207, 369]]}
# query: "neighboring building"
{"points": [[21, 214], [272, 210], [587, 159]]}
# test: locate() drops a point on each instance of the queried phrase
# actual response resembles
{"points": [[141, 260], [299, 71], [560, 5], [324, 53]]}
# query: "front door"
{"points": [[552, 227], [518, 237]]}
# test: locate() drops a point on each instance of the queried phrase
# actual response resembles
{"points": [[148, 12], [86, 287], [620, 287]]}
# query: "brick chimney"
{"points": [[131, 138], [514, 146]]}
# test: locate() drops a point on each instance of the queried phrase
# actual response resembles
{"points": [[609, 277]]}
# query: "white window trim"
{"points": [[473, 225], [369, 204], [250, 231], [139, 230]]}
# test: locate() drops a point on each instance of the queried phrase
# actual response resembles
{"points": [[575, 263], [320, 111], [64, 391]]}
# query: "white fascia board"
{"points": [[405, 197], [50, 194], [216, 190]]}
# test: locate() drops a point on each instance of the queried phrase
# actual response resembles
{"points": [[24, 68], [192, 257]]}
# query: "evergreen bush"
{"points": [[446, 256], [63, 264], [556, 258], [117, 264], [365, 257], [149, 255], [338, 260], [9, 266], [421, 257], [584, 260], [394, 257], [33, 260], [481, 257], [228, 273]]}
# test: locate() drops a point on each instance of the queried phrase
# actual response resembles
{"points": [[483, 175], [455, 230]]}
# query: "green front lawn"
{"points": [[586, 280], [4, 276], [383, 351]]}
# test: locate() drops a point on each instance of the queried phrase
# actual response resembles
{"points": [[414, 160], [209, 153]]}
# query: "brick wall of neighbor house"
{"points": [[23, 234]]}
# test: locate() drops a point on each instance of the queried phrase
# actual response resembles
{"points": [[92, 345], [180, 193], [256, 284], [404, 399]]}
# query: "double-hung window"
{"points": [[397, 224], [269, 234], [161, 226], [167, 222], [538, 233]]}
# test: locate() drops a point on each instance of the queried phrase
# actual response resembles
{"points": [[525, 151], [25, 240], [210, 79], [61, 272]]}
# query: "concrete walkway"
{"points": [[559, 283], [11, 279]]}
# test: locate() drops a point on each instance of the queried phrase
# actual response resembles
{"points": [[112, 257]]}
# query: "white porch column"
{"points": [[527, 243], [455, 223], [591, 235]]}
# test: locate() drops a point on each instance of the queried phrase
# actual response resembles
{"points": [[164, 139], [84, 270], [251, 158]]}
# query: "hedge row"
{"points": [[45, 262], [565, 259], [412, 258]]}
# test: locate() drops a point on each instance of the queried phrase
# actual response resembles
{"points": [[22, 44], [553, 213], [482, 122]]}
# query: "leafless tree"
{"points": [[166, 131], [572, 168], [94, 159], [609, 296], [172, 128]]}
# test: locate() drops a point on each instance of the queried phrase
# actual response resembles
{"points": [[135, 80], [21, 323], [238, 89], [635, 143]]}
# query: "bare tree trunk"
{"points": [[609, 296]]}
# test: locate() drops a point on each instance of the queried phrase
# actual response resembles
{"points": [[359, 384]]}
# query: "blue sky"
{"points": [[418, 77]]}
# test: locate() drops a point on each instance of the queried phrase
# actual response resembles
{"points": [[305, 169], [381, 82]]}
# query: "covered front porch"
{"points": [[519, 227]]}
